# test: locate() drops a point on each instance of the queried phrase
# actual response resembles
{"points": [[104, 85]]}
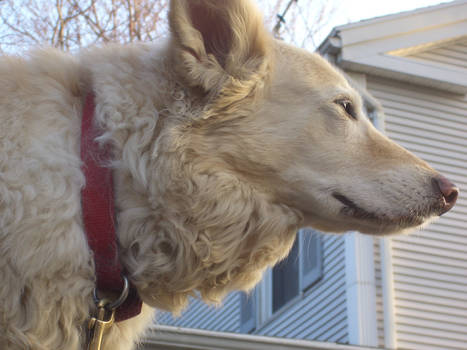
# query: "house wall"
{"points": [[317, 314], [225, 318], [451, 55], [430, 266]]}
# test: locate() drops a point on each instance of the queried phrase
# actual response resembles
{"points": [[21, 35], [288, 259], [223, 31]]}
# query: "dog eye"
{"points": [[348, 108]]}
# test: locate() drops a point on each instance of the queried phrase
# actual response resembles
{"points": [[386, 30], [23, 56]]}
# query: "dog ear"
{"points": [[217, 40]]}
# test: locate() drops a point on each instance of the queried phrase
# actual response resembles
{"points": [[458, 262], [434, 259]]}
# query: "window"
{"points": [[285, 279], [248, 312], [285, 282], [311, 259]]}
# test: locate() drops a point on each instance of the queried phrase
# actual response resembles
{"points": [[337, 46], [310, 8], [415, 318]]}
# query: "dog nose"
{"points": [[449, 191]]}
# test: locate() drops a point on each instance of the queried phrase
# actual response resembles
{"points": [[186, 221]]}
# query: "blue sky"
{"points": [[337, 12], [320, 16], [356, 10]]}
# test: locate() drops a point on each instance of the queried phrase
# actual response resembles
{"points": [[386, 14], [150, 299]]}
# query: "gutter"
{"points": [[176, 338]]}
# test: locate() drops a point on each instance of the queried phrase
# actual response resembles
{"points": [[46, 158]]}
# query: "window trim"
{"points": [[248, 300]]}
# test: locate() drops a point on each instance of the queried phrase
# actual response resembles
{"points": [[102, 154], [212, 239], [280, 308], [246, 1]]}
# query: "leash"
{"points": [[97, 200]]}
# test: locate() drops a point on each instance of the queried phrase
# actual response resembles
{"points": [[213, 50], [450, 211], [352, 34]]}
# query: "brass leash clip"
{"points": [[105, 317], [98, 325]]}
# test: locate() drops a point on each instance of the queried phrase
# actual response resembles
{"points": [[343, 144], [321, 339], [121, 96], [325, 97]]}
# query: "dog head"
{"points": [[288, 122], [333, 165], [274, 138]]}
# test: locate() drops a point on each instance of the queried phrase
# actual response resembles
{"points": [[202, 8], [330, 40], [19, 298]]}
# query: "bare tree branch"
{"points": [[70, 24]]}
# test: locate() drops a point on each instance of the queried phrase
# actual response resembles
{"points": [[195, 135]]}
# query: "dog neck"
{"points": [[196, 227], [187, 243], [185, 224]]}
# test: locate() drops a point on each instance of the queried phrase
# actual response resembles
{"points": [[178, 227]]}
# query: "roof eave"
{"points": [[374, 46], [397, 68]]}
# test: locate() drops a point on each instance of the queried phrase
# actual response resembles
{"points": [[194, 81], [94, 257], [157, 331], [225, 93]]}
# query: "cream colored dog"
{"points": [[225, 142]]}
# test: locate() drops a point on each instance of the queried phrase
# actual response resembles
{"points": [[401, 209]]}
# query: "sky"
{"points": [[310, 12], [356, 10], [336, 13]]}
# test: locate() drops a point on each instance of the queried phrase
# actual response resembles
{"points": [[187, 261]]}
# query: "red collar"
{"points": [[97, 202]]}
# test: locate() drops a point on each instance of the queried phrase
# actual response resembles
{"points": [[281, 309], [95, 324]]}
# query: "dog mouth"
{"points": [[416, 217], [352, 209]]}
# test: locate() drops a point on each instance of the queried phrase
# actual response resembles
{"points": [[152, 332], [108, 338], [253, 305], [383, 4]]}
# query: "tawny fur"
{"points": [[212, 172]]}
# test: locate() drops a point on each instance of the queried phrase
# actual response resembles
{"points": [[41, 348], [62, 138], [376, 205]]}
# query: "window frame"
{"points": [[263, 293]]}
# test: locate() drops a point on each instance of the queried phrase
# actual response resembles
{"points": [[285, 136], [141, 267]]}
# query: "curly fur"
{"points": [[203, 203], [183, 224]]}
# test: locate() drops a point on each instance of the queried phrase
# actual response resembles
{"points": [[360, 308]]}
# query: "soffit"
{"points": [[381, 46]]}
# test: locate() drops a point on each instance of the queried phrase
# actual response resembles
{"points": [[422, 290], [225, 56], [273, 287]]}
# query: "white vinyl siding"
{"points": [[225, 318], [450, 55], [430, 266]]}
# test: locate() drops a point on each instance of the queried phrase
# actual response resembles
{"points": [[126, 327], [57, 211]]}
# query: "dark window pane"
{"points": [[311, 258], [285, 279]]}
